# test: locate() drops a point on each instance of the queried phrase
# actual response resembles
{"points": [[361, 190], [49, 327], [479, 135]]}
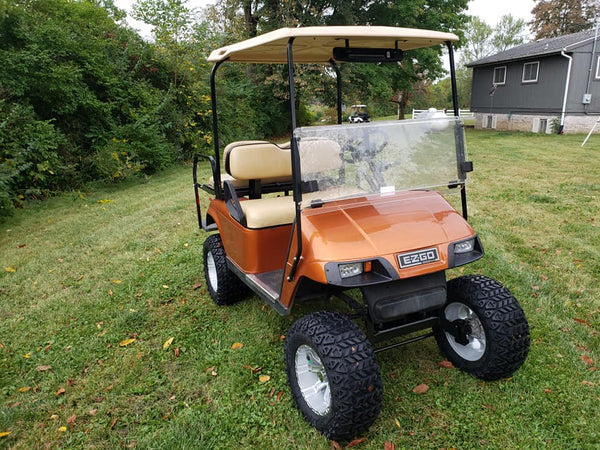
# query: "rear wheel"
{"points": [[224, 287], [484, 331], [333, 374]]}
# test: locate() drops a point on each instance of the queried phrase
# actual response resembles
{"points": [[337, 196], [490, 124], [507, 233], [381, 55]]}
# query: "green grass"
{"points": [[96, 269]]}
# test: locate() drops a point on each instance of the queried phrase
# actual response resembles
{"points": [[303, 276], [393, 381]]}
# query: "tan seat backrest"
{"points": [[257, 160], [319, 155], [232, 145]]}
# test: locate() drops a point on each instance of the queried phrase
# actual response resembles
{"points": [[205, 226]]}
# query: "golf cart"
{"points": [[366, 224], [359, 114]]}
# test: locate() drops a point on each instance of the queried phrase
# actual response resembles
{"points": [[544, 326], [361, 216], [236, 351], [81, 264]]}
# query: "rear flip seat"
{"points": [[259, 160], [269, 163], [243, 184]]}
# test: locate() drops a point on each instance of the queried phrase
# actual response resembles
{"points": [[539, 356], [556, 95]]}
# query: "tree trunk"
{"points": [[250, 20], [401, 99]]}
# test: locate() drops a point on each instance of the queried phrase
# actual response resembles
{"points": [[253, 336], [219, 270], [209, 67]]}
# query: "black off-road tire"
{"points": [[501, 318], [352, 372], [225, 288]]}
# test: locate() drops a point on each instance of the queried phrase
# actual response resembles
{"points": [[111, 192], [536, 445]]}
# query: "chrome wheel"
{"points": [[212, 271], [312, 380], [475, 348]]}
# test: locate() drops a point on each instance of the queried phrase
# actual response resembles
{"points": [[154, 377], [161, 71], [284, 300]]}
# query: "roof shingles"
{"points": [[538, 48]]}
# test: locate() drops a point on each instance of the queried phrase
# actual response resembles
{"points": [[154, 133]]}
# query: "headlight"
{"points": [[351, 269], [464, 246]]}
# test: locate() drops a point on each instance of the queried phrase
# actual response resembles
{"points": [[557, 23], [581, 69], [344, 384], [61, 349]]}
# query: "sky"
{"points": [[490, 11], [487, 10]]}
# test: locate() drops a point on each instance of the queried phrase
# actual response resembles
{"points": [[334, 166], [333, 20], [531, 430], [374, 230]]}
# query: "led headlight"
{"points": [[464, 246], [351, 269]]}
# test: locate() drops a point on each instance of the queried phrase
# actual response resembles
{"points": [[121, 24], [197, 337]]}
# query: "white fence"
{"points": [[448, 112]]}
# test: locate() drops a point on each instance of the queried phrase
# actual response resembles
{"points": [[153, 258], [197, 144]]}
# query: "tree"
{"points": [[423, 65], [554, 18], [509, 32], [172, 21], [83, 97], [479, 41], [482, 40], [444, 15]]}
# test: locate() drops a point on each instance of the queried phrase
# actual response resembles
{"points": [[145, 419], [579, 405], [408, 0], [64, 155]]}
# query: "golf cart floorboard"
{"points": [[268, 282]]}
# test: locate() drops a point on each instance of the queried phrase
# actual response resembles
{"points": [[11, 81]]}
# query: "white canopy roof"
{"points": [[315, 44]]}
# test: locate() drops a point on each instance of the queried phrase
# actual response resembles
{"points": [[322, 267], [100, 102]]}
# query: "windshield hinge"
{"points": [[466, 166]]}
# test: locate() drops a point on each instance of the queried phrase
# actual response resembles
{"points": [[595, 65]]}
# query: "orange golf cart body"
{"points": [[345, 209]]}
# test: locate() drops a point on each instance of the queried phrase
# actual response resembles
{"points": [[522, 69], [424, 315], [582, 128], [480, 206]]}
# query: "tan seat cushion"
{"points": [[268, 212], [258, 160]]}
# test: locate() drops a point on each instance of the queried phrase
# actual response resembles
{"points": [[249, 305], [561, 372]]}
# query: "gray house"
{"points": [[542, 86]]}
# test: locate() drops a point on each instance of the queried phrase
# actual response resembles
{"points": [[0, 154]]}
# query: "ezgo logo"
{"points": [[419, 257]]}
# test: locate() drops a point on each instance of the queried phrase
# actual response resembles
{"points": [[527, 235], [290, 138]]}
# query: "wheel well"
{"points": [[311, 290], [210, 220]]}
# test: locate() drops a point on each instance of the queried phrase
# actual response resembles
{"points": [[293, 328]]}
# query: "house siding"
{"points": [[542, 96], [578, 84], [521, 106]]}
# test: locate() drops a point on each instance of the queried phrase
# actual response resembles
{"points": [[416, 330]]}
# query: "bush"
{"points": [[30, 165]]}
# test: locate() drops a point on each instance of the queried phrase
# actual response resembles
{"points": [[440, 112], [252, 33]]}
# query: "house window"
{"points": [[530, 72], [499, 75], [598, 69], [539, 125]]}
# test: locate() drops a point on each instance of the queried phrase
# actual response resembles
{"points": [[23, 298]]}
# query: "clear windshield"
{"points": [[342, 161]]}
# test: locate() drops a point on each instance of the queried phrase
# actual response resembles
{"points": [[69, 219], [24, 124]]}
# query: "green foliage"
{"points": [[78, 88], [483, 40], [378, 88], [30, 165], [509, 32], [552, 18], [85, 98]]}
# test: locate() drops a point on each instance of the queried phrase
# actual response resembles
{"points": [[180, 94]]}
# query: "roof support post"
{"points": [[463, 188], [215, 131], [566, 95], [290, 61], [453, 78], [296, 176]]}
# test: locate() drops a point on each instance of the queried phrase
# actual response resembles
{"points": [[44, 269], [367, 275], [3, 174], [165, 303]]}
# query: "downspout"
{"points": [[589, 79], [564, 106]]}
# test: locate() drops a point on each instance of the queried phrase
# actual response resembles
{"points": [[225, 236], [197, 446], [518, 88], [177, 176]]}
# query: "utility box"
{"points": [[587, 99]]}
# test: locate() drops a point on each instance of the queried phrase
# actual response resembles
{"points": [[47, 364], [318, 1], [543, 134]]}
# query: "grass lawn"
{"points": [[108, 338]]}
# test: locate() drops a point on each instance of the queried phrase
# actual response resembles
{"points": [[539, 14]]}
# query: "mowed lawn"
{"points": [[108, 338]]}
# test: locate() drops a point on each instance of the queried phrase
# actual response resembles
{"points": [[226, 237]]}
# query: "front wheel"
{"points": [[483, 329], [333, 374], [224, 287]]}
